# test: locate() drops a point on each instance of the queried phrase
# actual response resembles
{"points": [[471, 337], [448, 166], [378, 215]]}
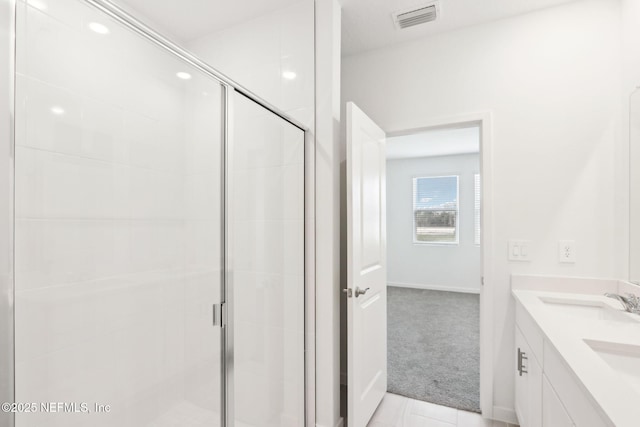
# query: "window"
{"points": [[435, 209], [476, 204]]}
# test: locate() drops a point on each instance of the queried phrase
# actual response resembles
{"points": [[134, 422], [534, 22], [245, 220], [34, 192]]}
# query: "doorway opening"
{"points": [[369, 355], [434, 262]]}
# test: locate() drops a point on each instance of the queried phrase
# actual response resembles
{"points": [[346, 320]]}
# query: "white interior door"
{"points": [[367, 267]]}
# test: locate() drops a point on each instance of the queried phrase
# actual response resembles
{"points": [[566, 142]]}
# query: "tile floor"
{"points": [[400, 411]]}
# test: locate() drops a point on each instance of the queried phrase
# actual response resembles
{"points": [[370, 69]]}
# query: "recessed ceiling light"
{"points": [[289, 75], [57, 110], [182, 75], [98, 28], [38, 4]]}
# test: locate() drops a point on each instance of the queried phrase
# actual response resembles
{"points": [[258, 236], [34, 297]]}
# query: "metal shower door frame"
{"points": [[7, 217], [227, 385]]}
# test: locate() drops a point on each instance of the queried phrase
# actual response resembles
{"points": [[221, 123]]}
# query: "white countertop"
{"points": [[617, 399]]}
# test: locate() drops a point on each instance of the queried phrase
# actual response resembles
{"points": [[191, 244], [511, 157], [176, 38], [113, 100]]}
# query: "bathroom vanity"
{"points": [[577, 353]]}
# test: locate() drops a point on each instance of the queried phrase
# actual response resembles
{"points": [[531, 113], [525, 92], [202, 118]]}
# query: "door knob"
{"points": [[361, 291]]}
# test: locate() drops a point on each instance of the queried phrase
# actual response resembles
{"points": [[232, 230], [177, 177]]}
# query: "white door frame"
{"points": [[483, 119]]}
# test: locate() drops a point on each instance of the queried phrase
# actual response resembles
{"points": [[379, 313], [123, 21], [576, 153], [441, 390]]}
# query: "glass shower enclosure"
{"points": [[158, 236]]}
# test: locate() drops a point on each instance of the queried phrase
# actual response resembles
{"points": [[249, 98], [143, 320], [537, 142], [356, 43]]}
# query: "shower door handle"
{"points": [[361, 291], [219, 315]]}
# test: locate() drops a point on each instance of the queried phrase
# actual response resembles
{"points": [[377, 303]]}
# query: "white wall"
{"points": [[327, 213], [631, 81], [631, 46], [454, 267], [551, 80], [634, 185]]}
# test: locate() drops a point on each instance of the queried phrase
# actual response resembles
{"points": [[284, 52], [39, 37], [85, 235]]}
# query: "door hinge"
{"points": [[482, 280], [348, 291], [219, 315]]}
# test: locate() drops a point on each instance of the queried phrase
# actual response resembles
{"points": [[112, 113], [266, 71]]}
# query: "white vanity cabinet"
{"points": [[579, 353], [546, 394]]}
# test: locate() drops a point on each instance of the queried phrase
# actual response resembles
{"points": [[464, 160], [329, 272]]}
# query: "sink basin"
{"points": [[597, 310], [624, 359]]}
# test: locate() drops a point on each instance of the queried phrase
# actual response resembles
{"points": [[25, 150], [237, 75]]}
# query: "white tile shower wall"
{"points": [[117, 225], [273, 56]]}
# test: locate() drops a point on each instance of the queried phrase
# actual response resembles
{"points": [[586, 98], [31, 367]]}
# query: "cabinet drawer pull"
{"points": [[521, 357]]}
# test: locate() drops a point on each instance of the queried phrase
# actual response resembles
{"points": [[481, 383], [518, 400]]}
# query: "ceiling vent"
{"points": [[416, 15]]}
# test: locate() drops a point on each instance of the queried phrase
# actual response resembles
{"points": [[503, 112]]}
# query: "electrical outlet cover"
{"points": [[567, 251]]}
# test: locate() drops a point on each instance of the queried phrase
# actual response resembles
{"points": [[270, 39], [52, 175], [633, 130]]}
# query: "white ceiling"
{"points": [[439, 142], [367, 24], [186, 20]]}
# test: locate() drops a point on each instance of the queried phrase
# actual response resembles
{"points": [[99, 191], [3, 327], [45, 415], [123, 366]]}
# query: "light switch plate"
{"points": [[519, 250]]}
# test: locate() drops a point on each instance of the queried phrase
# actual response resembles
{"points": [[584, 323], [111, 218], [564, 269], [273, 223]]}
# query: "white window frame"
{"points": [[414, 181]]}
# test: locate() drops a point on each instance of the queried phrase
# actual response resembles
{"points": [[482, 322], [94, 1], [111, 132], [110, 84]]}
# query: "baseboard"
{"points": [[434, 287], [506, 415]]}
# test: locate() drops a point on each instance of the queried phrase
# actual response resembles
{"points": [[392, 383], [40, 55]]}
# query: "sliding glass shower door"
{"points": [[118, 226], [266, 269]]}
